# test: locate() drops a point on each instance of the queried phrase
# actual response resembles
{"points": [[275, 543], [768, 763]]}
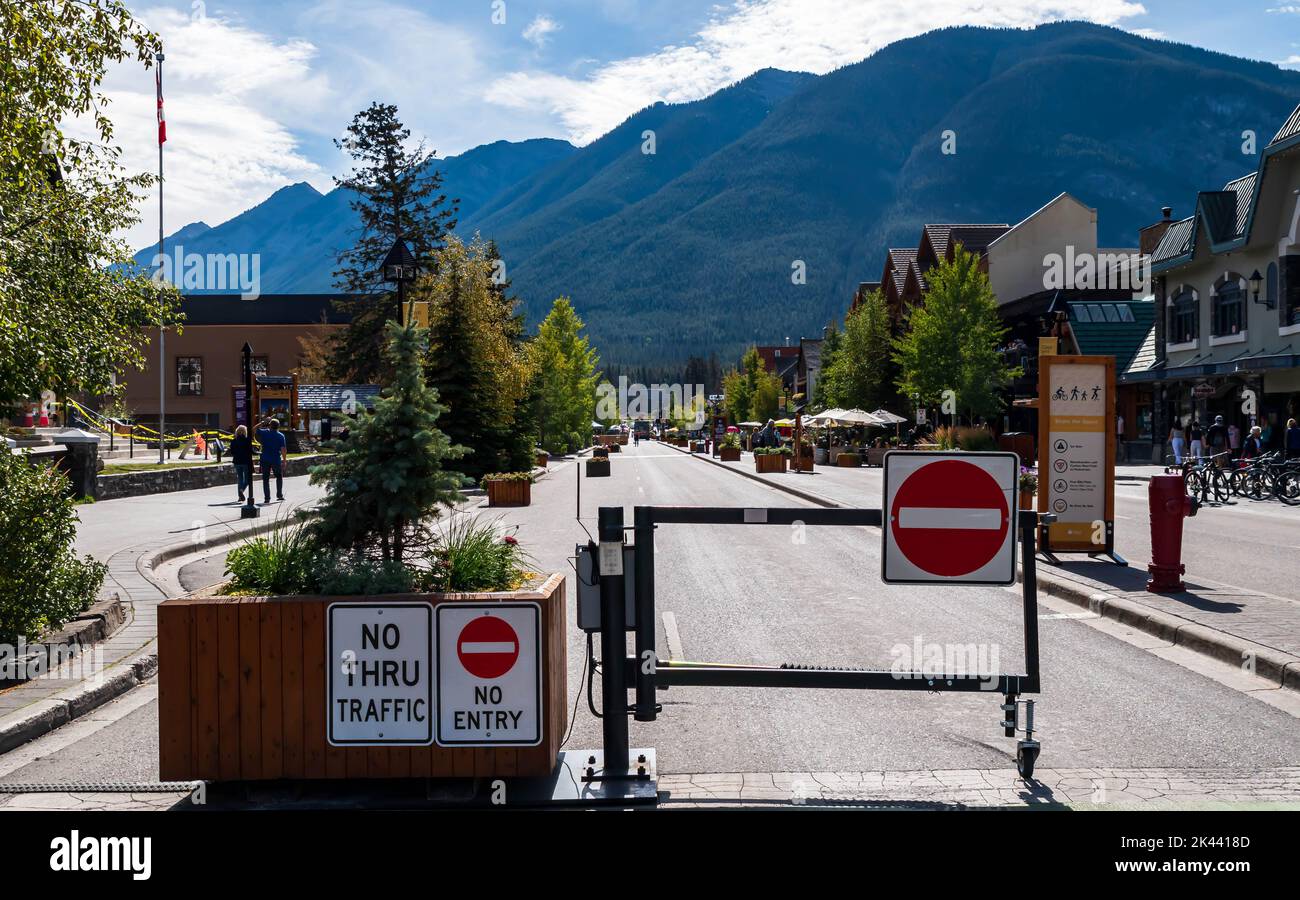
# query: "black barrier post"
{"points": [[613, 640], [1029, 571], [644, 557]]}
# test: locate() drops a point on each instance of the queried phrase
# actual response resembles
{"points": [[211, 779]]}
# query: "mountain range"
{"points": [[692, 248]]}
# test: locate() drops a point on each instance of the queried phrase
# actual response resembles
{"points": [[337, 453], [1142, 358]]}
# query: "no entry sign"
{"points": [[950, 517], [489, 674]]}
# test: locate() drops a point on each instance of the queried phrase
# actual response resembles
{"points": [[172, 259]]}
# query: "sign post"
{"points": [[1076, 463]]}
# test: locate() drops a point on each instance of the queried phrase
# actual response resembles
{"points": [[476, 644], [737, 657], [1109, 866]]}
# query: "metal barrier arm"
{"points": [[645, 672]]}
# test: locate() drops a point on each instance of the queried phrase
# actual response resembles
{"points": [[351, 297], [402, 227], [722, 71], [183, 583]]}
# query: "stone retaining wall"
{"points": [[162, 481]]}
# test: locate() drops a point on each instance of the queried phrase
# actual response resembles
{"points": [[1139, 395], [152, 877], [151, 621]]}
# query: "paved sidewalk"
{"points": [[126, 534], [1255, 630]]}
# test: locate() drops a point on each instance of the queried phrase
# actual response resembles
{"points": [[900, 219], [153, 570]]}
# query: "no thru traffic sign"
{"points": [[950, 517], [489, 674], [380, 674]]}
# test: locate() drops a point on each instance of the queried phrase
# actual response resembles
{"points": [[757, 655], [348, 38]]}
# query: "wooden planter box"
{"points": [[769, 462], [848, 460], [1027, 500], [509, 492], [802, 463], [876, 456], [698, 446], [243, 690], [598, 468], [729, 454], [543, 459]]}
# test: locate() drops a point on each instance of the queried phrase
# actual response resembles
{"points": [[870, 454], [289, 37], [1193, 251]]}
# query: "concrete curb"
{"points": [[1269, 663], [73, 703]]}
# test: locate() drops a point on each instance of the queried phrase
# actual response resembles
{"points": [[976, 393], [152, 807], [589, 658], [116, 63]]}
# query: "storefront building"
{"points": [[1227, 280]]}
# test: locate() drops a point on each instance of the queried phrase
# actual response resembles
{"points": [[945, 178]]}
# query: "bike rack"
{"points": [[645, 672]]}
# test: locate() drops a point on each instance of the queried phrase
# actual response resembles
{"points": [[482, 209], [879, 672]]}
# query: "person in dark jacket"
{"points": [[241, 456], [1254, 444], [1292, 439]]}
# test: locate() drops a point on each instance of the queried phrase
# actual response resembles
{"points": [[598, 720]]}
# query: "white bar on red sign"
{"points": [[936, 517]]}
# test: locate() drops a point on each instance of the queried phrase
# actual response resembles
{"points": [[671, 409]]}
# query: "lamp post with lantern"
{"points": [[400, 267]]}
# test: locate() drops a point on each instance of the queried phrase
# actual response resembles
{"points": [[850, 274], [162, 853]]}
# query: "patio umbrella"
{"points": [[886, 416], [825, 417], [751, 424], [858, 417]]}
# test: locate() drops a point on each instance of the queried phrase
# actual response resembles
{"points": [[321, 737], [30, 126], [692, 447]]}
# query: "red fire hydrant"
{"points": [[1170, 504]]}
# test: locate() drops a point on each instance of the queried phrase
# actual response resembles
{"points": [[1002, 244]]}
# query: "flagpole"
{"points": [[162, 325]]}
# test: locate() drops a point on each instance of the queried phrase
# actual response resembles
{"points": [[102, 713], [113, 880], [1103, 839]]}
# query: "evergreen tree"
{"points": [[822, 395], [387, 478], [951, 342], [398, 195], [566, 369], [476, 362]]}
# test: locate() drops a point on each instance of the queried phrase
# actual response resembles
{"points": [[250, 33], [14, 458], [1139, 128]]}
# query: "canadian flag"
{"points": [[162, 122]]}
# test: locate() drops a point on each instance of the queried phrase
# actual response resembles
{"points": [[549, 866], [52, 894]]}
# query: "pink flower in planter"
{"points": [[511, 540]]}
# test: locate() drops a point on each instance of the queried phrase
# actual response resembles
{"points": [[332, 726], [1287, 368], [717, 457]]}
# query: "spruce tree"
{"points": [[398, 194], [387, 479]]}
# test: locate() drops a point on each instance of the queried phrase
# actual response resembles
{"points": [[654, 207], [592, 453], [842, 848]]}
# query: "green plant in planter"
{"points": [[508, 476], [1028, 480], [976, 439], [731, 441], [283, 561], [470, 554]]}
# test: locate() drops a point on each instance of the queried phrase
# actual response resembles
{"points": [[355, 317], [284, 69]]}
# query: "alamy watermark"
{"points": [[932, 660], [30, 662], [652, 402], [1074, 270], [228, 272]]}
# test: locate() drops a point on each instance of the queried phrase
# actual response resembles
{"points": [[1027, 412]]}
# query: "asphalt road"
{"points": [[773, 594]]}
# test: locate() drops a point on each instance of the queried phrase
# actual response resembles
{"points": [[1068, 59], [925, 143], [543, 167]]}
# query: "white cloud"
{"points": [[229, 95], [1292, 60], [540, 29], [1153, 33], [1289, 8], [803, 35]]}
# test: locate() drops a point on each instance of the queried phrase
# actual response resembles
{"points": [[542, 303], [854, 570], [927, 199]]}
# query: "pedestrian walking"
{"points": [[1217, 436], [1195, 437], [1176, 438], [1292, 439], [241, 456], [1254, 444], [274, 453]]}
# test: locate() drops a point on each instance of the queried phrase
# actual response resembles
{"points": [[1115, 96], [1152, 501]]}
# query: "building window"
{"points": [[1182, 318], [189, 376], [1229, 308], [1291, 290]]}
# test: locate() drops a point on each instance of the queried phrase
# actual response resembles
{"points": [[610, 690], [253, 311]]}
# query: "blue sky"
{"points": [[255, 89]]}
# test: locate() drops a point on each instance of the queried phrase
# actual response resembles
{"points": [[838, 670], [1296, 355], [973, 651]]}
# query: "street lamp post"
{"points": [[249, 510], [400, 267]]}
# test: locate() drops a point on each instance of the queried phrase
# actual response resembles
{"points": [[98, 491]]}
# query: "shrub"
{"points": [[42, 582], [353, 573], [470, 555], [976, 439], [280, 562], [946, 437], [731, 441]]}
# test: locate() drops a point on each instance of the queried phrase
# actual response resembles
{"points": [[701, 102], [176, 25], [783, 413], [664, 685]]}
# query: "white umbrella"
{"points": [[825, 417], [858, 417], [886, 416]]}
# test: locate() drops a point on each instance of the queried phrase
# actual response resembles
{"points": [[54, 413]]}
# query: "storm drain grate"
{"points": [[101, 787]]}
